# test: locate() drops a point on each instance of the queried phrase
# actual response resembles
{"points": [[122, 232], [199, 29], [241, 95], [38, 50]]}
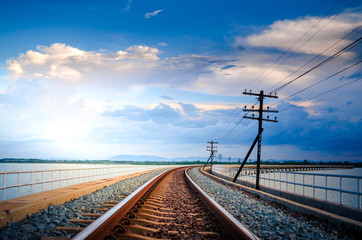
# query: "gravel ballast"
{"points": [[43, 223], [266, 219]]}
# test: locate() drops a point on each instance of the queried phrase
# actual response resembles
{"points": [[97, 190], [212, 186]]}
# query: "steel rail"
{"points": [[235, 228], [102, 227], [98, 229]]}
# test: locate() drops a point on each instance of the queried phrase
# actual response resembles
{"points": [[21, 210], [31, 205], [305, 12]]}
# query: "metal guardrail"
{"points": [[305, 184], [43, 180]]}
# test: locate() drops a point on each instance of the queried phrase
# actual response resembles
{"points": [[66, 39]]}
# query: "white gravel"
{"points": [[43, 223], [266, 219]]}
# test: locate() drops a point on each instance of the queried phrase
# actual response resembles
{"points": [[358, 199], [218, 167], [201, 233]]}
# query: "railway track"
{"points": [[170, 206]]}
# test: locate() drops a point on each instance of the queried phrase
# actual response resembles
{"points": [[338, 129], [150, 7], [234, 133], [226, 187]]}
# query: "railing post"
{"points": [[274, 179], [294, 183], [313, 186], [32, 181], [326, 188], [358, 196], [303, 184], [4, 179], [340, 188], [42, 176], [19, 184]]}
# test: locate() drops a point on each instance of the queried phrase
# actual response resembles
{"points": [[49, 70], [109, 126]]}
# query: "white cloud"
{"points": [[323, 33], [141, 65], [128, 6], [143, 53], [152, 14], [60, 61]]}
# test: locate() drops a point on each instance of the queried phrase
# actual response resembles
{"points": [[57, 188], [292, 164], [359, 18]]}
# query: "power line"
{"points": [[350, 46], [316, 57], [307, 40], [289, 49], [226, 132], [324, 93], [350, 66]]}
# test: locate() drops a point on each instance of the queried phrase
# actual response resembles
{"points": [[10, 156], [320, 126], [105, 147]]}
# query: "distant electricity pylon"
{"points": [[260, 118], [212, 149], [220, 157]]}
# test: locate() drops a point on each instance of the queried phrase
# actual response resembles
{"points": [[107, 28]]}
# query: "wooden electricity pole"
{"points": [[212, 149], [260, 118]]}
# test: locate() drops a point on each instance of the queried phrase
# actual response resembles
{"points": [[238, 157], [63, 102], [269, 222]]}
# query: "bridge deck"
{"points": [[296, 167]]}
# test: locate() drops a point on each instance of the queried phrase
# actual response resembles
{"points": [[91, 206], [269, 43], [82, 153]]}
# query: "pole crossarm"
{"points": [[257, 110], [258, 94], [263, 119]]}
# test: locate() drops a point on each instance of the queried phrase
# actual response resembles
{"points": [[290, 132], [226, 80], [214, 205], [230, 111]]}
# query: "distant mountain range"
{"points": [[150, 158], [143, 158]]}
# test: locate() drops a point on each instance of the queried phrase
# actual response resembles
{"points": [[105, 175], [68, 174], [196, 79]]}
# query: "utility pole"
{"points": [[212, 149], [229, 159], [220, 157], [260, 118]]}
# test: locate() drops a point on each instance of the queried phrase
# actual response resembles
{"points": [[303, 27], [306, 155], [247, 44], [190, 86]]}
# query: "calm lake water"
{"points": [[53, 176]]}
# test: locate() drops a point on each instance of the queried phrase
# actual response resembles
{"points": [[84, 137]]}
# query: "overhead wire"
{"points": [[316, 57], [314, 84], [307, 40], [349, 47], [232, 129], [235, 113], [321, 94], [228, 132]]}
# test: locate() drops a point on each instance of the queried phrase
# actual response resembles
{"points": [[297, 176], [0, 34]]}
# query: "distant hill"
{"points": [[190, 159], [141, 158]]}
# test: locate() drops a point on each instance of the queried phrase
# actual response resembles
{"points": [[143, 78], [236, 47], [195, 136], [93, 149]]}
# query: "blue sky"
{"points": [[93, 79]]}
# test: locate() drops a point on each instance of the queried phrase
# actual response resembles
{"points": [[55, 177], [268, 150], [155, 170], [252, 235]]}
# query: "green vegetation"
{"points": [[305, 162]]}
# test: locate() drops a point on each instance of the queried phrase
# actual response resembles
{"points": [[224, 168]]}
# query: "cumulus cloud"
{"points": [[322, 32], [60, 61], [152, 14], [135, 65]]}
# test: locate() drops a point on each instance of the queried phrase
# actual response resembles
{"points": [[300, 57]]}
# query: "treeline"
{"points": [[305, 162], [34, 160]]}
